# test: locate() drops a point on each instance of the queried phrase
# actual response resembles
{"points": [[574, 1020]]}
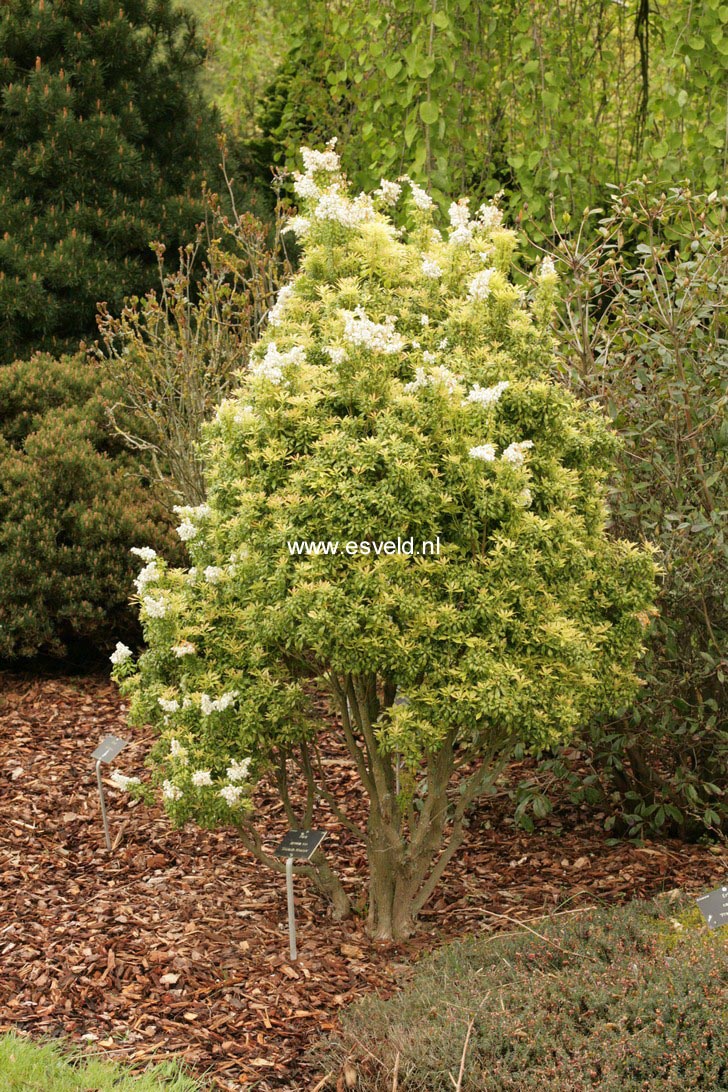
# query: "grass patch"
{"points": [[629, 999], [26, 1066]]}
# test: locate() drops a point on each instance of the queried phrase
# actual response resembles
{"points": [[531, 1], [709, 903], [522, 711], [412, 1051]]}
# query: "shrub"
{"points": [[618, 1000], [71, 506], [401, 392], [104, 141], [644, 332]]}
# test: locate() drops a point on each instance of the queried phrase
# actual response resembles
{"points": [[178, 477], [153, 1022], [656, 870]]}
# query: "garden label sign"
{"points": [[714, 907], [298, 845], [106, 751]]}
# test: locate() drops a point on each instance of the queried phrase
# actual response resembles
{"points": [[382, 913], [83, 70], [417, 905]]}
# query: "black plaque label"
{"points": [[300, 844], [108, 749], [714, 907]]}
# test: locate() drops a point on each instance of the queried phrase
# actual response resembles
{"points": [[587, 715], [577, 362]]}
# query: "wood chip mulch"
{"points": [[175, 944]]}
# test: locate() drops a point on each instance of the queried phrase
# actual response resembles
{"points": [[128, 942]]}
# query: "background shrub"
{"points": [[104, 140], [617, 1000], [71, 506]]}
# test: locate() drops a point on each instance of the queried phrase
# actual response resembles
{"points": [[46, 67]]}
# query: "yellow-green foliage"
{"points": [[402, 389]]}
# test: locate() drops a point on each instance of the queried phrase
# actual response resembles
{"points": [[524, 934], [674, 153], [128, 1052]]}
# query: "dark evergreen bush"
{"points": [[71, 507], [103, 143]]}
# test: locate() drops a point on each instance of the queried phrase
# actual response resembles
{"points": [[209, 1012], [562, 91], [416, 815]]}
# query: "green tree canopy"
{"points": [[402, 391], [103, 143]]}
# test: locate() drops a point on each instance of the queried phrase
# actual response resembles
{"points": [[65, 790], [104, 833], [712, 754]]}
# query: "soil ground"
{"points": [[175, 943]]}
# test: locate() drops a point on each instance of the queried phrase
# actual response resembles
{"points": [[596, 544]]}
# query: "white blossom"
{"points": [[416, 345], [490, 216], [146, 553], [155, 608], [272, 365], [238, 771], [428, 357], [169, 705], [336, 355], [462, 229], [299, 225], [333, 205], [244, 415], [431, 269], [191, 511], [486, 452], [389, 191], [177, 751], [440, 375], [421, 379], [120, 654], [487, 396], [321, 161], [209, 705], [305, 187], [192, 575], [170, 791], [524, 498], [201, 777], [122, 781], [213, 574], [548, 269], [231, 794], [359, 329], [444, 344], [284, 294], [421, 199], [187, 530], [479, 288], [147, 575], [424, 320], [184, 648], [515, 453]]}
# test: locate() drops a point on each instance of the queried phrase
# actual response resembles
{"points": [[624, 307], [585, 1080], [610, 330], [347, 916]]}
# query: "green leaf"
{"points": [[429, 112]]}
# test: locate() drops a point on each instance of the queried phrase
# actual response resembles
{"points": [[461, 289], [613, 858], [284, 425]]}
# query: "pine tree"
{"points": [[104, 140]]}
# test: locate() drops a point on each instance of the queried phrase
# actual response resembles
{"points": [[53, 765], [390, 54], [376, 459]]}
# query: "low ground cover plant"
{"points": [[26, 1066], [620, 1000]]}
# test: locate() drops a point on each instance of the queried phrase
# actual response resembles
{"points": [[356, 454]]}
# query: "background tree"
{"points": [[403, 390], [104, 141]]}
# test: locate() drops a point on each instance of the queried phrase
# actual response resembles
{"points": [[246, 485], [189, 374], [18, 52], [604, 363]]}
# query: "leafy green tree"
{"points": [[104, 140], [402, 392]]}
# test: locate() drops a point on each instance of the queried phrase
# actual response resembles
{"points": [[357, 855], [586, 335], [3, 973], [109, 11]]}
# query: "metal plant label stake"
{"points": [[298, 845], [106, 751]]}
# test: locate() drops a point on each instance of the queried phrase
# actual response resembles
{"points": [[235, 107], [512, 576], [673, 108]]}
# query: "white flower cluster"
{"points": [[487, 396], [336, 355], [424, 320], [146, 553], [524, 498], [169, 705], [479, 288], [389, 191], [420, 197], [147, 575], [231, 794], [333, 205], [120, 654], [440, 376], [188, 529], [238, 771], [276, 311], [486, 452], [305, 187], [177, 751], [462, 229], [122, 781], [380, 337], [428, 357], [548, 269], [244, 415], [516, 453], [184, 648], [170, 791], [321, 161], [155, 608], [213, 574], [299, 225], [209, 705], [272, 365], [201, 777], [490, 216], [431, 269]]}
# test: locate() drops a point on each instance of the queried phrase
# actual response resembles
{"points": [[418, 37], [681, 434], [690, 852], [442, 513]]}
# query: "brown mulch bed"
{"points": [[175, 944]]}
